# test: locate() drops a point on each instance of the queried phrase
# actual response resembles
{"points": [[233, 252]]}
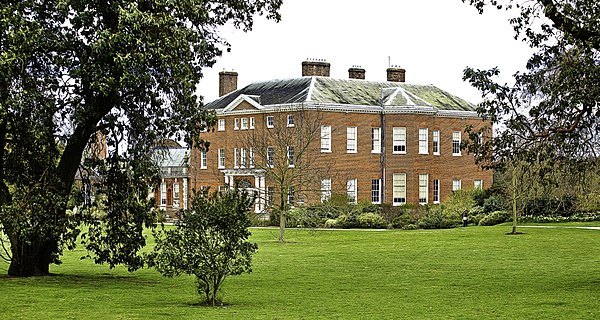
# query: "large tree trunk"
{"points": [[31, 259]]}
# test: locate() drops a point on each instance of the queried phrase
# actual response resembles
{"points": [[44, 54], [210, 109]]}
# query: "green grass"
{"points": [[466, 273]]}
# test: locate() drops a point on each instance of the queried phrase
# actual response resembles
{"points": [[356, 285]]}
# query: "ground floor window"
{"points": [[436, 191], [351, 190], [376, 190], [423, 188], [399, 188]]}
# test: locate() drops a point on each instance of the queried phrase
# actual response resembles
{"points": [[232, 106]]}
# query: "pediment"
{"points": [[244, 102]]}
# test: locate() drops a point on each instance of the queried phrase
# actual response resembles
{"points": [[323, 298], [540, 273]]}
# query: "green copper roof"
{"points": [[351, 92]]}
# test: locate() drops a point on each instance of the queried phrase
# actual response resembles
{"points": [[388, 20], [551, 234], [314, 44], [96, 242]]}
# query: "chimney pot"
{"points": [[396, 74], [356, 73], [315, 68], [227, 82]]}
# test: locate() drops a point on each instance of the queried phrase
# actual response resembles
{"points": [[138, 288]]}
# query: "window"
{"points": [[423, 188], [325, 189], [270, 156], [436, 142], [423, 148], [236, 157], [251, 122], [221, 126], [243, 157], [351, 190], [456, 143], [325, 138], [176, 194], [478, 184], [163, 194], [456, 185], [291, 195], [375, 140], [290, 120], [203, 159], [351, 139], [270, 195], [244, 123], [399, 140], [399, 188], [436, 191], [375, 190], [251, 154], [290, 156], [270, 122], [221, 163], [236, 124]]}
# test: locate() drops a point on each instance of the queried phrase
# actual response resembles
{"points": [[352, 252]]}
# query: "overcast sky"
{"points": [[434, 40]]}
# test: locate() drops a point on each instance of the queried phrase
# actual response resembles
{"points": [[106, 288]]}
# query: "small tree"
{"points": [[209, 242]]}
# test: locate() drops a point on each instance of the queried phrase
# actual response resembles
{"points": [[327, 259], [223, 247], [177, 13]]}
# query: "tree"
{"points": [[552, 110], [72, 68], [209, 242], [290, 156]]}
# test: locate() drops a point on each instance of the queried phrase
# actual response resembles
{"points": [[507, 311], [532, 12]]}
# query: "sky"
{"points": [[434, 40]]}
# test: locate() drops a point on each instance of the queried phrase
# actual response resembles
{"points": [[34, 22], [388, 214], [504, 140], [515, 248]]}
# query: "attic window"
{"points": [[270, 122], [290, 120]]}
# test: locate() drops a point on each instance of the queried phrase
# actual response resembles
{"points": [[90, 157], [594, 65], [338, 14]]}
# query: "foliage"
{"points": [[458, 202], [494, 218], [371, 220], [438, 218], [494, 203], [551, 111], [544, 206], [73, 72], [209, 242], [578, 217]]}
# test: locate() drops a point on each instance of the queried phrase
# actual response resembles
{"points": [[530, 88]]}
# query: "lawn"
{"points": [[465, 273]]}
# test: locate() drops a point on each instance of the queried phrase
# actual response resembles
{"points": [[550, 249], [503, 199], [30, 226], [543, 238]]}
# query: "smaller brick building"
{"points": [[172, 193]]}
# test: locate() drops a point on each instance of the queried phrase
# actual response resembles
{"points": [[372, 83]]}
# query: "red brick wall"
{"points": [[363, 165]]}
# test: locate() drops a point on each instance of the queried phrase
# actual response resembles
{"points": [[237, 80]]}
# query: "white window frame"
{"points": [[236, 158], [176, 194], [221, 125], [203, 159], [290, 156], [243, 157], [325, 138], [325, 189], [291, 196], [351, 190], [163, 194], [423, 189], [423, 141], [376, 192], [398, 189], [270, 156], [456, 184], [376, 140], [270, 122], [351, 141], [399, 140], [236, 124], [290, 120], [478, 184], [221, 160], [436, 191], [252, 123], [251, 156], [456, 136], [244, 124], [436, 142]]}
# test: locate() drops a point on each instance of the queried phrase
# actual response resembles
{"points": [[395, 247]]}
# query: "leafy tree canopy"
{"points": [[551, 111], [71, 69]]}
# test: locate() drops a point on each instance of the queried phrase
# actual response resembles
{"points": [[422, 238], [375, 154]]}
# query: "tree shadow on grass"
{"points": [[99, 281]]}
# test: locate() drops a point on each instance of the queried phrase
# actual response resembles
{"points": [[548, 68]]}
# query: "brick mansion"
{"points": [[382, 142]]}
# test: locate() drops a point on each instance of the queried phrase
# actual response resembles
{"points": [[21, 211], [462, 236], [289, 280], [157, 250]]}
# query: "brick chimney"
{"points": [[315, 68], [356, 72], [396, 74], [227, 82]]}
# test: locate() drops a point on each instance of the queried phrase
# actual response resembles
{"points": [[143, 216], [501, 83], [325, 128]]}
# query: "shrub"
{"points": [[458, 202], [495, 202], [494, 218], [438, 218], [209, 242], [371, 220], [544, 206], [588, 202]]}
